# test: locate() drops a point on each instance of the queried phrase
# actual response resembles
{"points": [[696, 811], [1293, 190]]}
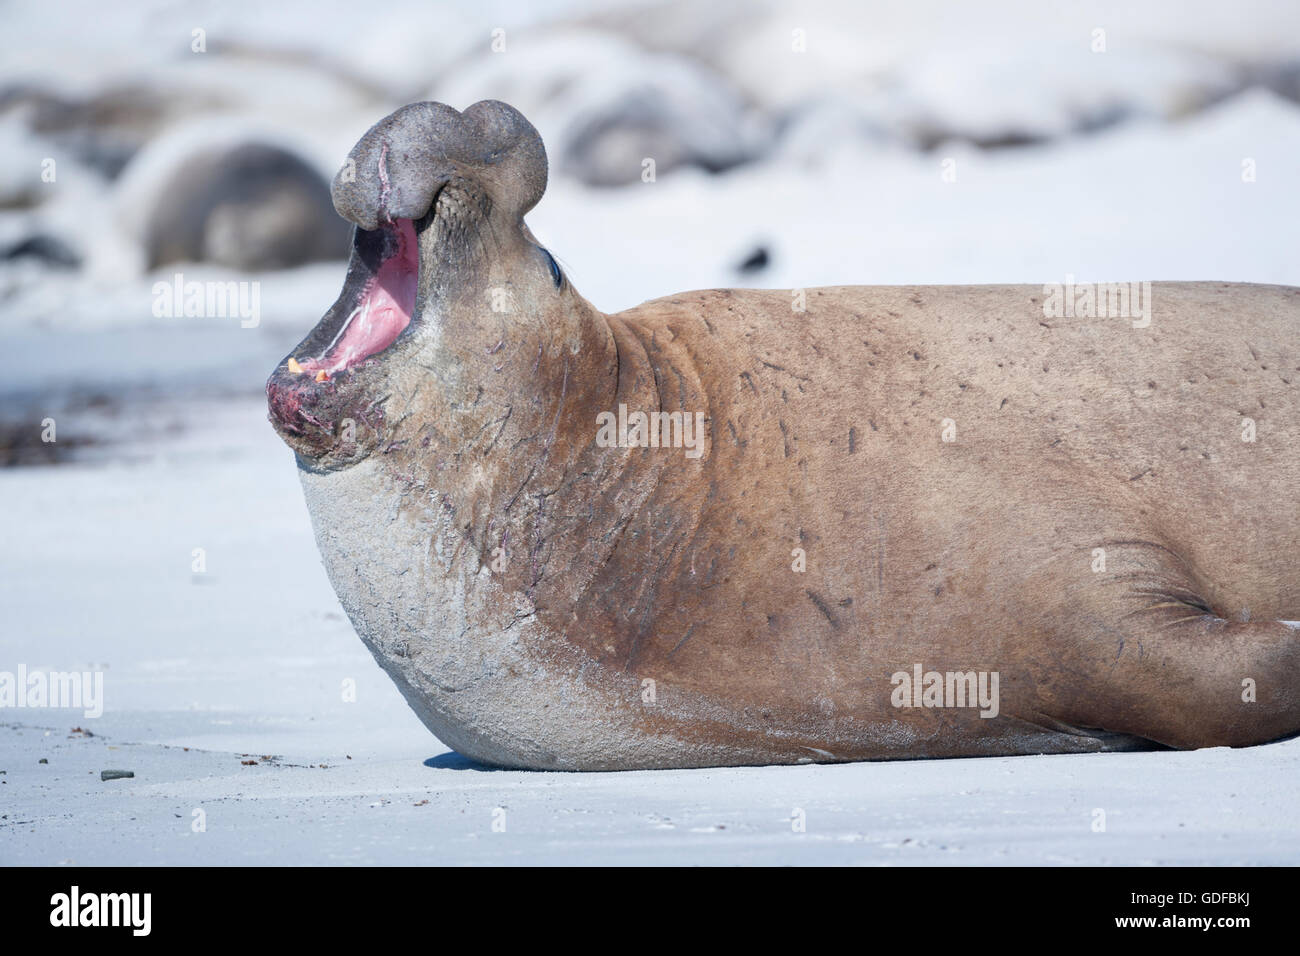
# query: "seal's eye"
{"points": [[556, 274]]}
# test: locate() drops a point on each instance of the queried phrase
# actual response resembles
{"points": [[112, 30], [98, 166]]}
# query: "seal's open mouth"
{"points": [[382, 311], [321, 399], [425, 175]]}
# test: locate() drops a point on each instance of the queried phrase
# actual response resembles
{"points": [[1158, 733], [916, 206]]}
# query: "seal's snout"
{"points": [[318, 397], [331, 423], [398, 167]]}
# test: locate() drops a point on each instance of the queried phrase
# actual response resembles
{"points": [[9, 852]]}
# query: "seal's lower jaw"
{"points": [[325, 398]]}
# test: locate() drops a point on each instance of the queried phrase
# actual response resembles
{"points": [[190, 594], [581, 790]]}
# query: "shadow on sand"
{"points": [[454, 761]]}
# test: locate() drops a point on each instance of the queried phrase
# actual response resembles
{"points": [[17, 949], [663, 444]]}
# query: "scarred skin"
{"points": [[545, 602]]}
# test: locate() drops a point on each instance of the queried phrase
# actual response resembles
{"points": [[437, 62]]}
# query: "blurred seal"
{"points": [[250, 206]]}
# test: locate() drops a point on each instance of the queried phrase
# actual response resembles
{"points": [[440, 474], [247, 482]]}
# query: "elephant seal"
{"points": [[248, 205], [913, 522]]}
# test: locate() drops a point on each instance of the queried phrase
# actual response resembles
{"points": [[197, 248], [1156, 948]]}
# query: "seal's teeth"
{"points": [[294, 366]]}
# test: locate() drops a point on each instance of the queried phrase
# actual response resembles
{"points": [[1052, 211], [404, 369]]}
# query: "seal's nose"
{"points": [[293, 402], [331, 421], [398, 166]]}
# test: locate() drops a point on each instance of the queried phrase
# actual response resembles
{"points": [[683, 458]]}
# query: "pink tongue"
{"points": [[383, 311]]}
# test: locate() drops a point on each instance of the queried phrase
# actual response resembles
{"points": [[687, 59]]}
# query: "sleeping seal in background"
{"points": [[247, 205], [717, 529]]}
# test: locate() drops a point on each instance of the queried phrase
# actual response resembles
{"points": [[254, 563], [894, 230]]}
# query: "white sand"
{"points": [[250, 658]]}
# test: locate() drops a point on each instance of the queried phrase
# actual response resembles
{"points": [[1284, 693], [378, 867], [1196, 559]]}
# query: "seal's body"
{"points": [[930, 521]]}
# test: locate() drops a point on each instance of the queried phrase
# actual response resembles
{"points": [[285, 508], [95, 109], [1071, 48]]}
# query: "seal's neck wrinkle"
{"points": [[465, 253], [515, 399], [462, 234]]}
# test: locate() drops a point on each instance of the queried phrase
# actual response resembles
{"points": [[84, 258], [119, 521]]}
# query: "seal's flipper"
{"points": [[1153, 656]]}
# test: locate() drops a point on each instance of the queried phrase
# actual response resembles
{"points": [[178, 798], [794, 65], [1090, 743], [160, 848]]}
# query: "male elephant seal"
{"points": [[914, 522]]}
